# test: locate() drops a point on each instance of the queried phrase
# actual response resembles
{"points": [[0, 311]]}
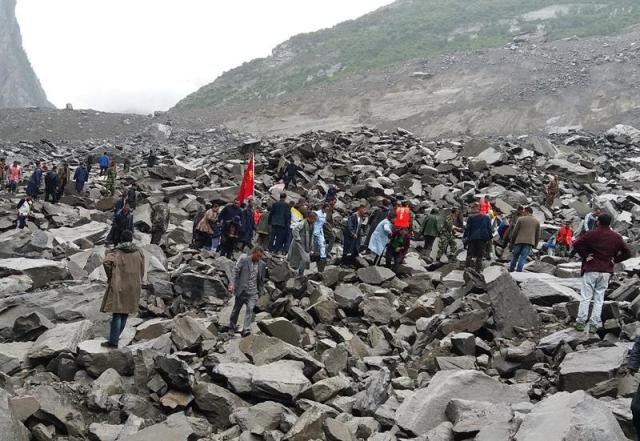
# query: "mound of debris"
{"points": [[431, 352]]}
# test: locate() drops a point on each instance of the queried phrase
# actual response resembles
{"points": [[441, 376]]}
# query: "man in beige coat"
{"points": [[524, 238], [124, 266]]}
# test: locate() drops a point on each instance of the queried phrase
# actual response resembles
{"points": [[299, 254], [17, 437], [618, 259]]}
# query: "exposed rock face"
{"points": [[19, 85]]}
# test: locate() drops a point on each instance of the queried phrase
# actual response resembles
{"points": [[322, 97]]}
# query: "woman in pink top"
{"points": [[14, 176]]}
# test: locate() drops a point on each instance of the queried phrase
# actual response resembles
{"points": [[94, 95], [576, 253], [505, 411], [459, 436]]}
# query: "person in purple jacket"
{"points": [[599, 249]]}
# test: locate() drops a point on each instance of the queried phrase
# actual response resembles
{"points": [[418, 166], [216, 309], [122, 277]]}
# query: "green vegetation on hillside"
{"points": [[408, 30]]}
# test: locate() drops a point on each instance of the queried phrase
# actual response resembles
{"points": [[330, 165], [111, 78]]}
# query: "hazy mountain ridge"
{"points": [[408, 30], [19, 85]]}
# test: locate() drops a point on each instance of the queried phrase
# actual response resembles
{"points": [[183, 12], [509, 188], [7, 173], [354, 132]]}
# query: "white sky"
{"points": [[144, 55]]}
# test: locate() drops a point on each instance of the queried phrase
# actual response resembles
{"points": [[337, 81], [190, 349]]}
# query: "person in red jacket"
{"points": [[599, 249], [564, 240], [403, 216], [485, 205]]}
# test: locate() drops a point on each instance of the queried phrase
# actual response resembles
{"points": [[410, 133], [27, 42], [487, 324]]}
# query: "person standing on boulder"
{"points": [[599, 250], [124, 266], [477, 235], [446, 237], [14, 176], [431, 229], [279, 223], [525, 236], [160, 216], [552, 191], [352, 235], [104, 162], [51, 181], [33, 187], [112, 176], [290, 175], [80, 176], [299, 255], [247, 286]]}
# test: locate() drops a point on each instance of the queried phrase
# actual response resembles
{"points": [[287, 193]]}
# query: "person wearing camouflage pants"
{"points": [[447, 244], [112, 175]]}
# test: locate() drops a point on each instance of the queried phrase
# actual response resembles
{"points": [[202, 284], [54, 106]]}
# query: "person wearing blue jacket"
{"points": [[477, 235], [81, 176], [104, 162], [33, 187]]}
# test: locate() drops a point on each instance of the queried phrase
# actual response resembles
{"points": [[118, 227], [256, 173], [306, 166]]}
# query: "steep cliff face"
{"points": [[19, 85]]}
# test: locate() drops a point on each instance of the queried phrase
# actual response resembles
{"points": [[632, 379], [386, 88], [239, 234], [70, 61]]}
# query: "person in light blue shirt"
{"points": [[318, 231]]}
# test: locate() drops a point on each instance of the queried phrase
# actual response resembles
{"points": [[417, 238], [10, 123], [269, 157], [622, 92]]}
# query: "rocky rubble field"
{"points": [[431, 353]]}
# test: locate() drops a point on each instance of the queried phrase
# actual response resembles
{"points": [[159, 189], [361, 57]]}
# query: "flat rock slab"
{"points": [[576, 417], [426, 408], [569, 336], [41, 271], [65, 337], [375, 275], [584, 369], [545, 292], [93, 231]]}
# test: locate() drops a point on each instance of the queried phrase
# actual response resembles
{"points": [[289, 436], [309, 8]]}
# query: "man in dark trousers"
{"points": [[104, 162], [524, 238], [51, 182], [81, 176], [160, 216], [290, 175], [352, 236], [476, 236], [431, 229], [247, 285], [248, 224], [121, 223], [599, 249], [279, 222]]}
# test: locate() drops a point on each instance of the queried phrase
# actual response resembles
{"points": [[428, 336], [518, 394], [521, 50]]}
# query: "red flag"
{"points": [[246, 187]]}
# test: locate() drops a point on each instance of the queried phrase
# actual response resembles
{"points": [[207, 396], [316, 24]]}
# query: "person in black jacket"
{"points": [[132, 197], [122, 222], [51, 186], [290, 175], [352, 235], [477, 235], [280, 222]]}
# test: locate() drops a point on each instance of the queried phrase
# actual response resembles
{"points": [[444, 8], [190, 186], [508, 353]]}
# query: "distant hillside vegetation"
{"points": [[409, 30]]}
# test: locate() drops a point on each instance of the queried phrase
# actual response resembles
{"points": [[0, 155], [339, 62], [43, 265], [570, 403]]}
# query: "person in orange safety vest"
{"points": [[564, 240]]}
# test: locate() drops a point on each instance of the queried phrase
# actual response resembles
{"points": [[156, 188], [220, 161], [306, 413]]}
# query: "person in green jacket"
{"points": [[112, 175], [431, 229]]}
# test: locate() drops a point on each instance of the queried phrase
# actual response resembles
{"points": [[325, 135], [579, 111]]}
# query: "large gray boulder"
{"points": [[576, 417], [511, 308], [41, 271], [584, 369], [425, 409], [93, 231], [217, 403], [11, 429], [65, 337]]}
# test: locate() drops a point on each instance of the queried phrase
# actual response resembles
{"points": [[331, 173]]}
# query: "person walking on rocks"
{"points": [[14, 175], [525, 236], [248, 224], [379, 214], [485, 205], [590, 220], [431, 229], [124, 266], [263, 231], [332, 194], [64, 177], [397, 249], [380, 238], [206, 226], [633, 364], [3, 172], [279, 223], [51, 182], [320, 243], [132, 197], [112, 176], [552, 191], [328, 230], [248, 283], [25, 206], [33, 187], [403, 216], [352, 236], [90, 160], [104, 162], [564, 240], [477, 235], [231, 231], [299, 255], [446, 237], [599, 249], [121, 223], [160, 216], [80, 176], [290, 175]]}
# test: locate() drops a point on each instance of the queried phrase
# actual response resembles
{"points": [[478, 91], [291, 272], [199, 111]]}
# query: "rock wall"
{"points": [[19, 85]]}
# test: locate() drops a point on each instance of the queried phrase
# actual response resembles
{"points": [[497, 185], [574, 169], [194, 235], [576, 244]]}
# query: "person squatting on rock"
{"points": [[352, 236], [124, 266], [24, 208], [299, 255], [51, 181], [279, 223], [160, 217], [446, 237], [525, 236], [564, 240], [380, 237], [477, 234], [397, 248], [80, 176], [552, 191], [599, 249], [249, 278]]}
